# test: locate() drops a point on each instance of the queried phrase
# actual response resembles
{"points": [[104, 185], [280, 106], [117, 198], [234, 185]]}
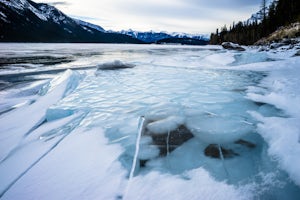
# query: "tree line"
{"points": [[280, 13]]}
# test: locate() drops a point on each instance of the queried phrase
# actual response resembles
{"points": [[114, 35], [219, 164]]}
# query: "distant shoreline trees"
{"points": [[280, 13]]}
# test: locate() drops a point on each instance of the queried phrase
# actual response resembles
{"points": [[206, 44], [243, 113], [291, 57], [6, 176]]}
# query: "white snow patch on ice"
{"points": [[165, 125], [164, 186], [282, 134], [219, 59], [19, 122], [82, 166]]}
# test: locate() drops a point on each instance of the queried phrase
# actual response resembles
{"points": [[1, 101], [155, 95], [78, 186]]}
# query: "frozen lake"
{"points": [[95, 121]]}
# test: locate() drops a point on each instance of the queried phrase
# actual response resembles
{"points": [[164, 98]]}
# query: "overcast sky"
{"points": [[190, 16]]}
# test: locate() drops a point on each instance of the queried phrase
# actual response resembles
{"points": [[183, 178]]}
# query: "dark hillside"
{"points": [[280, 13]]}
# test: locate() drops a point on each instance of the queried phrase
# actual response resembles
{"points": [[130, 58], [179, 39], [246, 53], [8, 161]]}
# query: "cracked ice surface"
{"points": [[73, 134]]}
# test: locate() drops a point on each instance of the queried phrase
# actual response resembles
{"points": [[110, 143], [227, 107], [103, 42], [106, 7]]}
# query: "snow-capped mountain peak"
{"points": [[89, 25], [152, 36], [27, 21], [21, 5]]}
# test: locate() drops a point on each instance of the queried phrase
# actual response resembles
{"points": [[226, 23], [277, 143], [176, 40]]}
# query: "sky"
{"points": [[189, 16]]}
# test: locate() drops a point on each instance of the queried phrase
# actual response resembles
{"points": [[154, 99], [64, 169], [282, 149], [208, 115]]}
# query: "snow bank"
{"points": [[82, 166], [282, 134], [197, 184]]}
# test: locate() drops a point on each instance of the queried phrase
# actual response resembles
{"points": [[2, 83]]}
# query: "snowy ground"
{"points": [[70, 127]]}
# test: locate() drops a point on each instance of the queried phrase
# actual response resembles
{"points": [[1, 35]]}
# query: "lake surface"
{"points": [[176, 114]]}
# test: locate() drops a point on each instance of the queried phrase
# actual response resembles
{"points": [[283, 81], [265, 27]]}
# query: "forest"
{"points": [[278, 13]]}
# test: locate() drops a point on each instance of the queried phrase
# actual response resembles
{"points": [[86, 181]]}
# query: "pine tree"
{"points": [[264, 9]]}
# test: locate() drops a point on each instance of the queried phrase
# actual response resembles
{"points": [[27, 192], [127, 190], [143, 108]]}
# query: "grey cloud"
{"points": [[187, 11], [228, 4], [60, 3]]}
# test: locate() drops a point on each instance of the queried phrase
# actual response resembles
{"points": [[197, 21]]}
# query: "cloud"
{"points": [[58, 3], [221, 4], [202, 16]]}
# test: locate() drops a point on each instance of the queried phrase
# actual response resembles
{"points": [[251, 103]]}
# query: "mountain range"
{"points": [[156, 37], [27, 21]]}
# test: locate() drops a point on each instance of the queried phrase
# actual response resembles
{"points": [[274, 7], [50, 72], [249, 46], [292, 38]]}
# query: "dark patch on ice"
{"points": [[239, 90], [87, 54], [45, 60], [26, 76], [245, 143], [4, 85], [297, 53], [168, 142], [269, 110], [259, 103], [6, 110], [143, 163], [115, 65], [213, 151], [271, 59]]}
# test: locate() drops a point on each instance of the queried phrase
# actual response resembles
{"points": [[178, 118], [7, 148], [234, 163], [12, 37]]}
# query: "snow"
{"points": [[12, 132], [152, 36], [38, 13], [75, 134], [282, 134], [23, 4], [165, 125], [44, 12], [18, 4], [89, 25], [2, 15], [173, 187], [48, 12], [84, 169]]}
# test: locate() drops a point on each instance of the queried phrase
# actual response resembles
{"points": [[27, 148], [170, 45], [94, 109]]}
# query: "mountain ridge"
{"points": [[27, 21], [154, 37]]}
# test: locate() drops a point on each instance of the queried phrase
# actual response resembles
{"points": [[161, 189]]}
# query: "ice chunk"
{"points": [[57, 113], [220, 59], [165, 125], [218, 129], [20, 122], [117, 64], [246, 58], [69, 80]]}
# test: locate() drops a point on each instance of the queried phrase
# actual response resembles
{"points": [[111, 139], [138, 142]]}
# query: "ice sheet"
{"points": [[18, 123], [76, 138]]}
